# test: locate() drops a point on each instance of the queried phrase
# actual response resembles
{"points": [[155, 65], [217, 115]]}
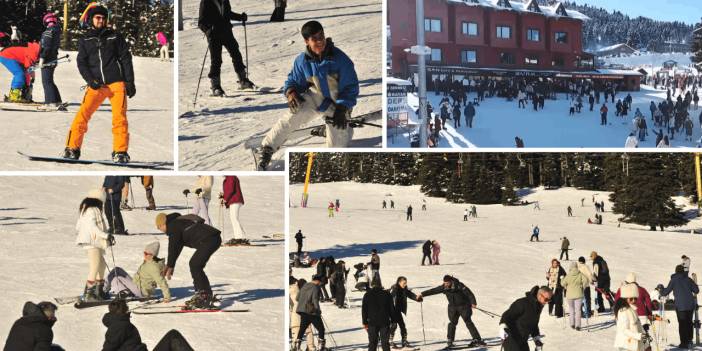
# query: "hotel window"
{"points": [[531, 60], [504, 32], [470, 29], [561, 37], [469, 56], [436, 55], [506, 58], [432, 25], [558, 61], [533, 35]]}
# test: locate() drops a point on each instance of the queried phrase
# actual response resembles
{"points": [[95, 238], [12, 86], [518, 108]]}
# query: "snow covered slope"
{"points": [[212, 133], [651, 59], [150, 115], [492, 255], [39, 261]]}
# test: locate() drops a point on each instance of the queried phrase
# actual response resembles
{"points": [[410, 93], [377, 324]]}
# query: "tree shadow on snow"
{"points": [[25, 220], [13, 208], [190, 137], [235, 110], [355, 250], [258, 294]]}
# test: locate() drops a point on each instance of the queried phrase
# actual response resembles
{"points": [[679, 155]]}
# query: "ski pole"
{"points": [[246, 50], [112, 213], [421, 308], [491, 314], [330, 331], [131, 194], [199, 79]]}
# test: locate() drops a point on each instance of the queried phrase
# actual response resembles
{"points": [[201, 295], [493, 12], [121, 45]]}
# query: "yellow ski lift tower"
{"points": [[698, 178], [305, 194]]}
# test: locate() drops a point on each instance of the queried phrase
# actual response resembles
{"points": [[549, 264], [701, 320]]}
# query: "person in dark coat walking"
{"points": [[121, 334], [191, 231], [113, 187], [603, 115], [32, 331], [409, 213], [685, 290], [215, 21], [400, 293], [521, 320], [469, 112], [310, 313], [322, 273], [298, 240], [338, 281], [600, 271], [279, 11], [376, 314], [456, 115], [461, 302], [426, 252]]}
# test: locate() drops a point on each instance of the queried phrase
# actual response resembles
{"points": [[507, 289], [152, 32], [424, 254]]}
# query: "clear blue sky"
{"points": [[687, 11]]}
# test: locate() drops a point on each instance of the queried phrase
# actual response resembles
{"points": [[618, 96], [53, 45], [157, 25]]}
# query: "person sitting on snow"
{"points": [[18, 60], [322, 83], [149, 274]]}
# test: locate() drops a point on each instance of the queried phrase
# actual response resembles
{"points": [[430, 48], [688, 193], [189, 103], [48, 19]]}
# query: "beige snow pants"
{"points": [[96, 264]]}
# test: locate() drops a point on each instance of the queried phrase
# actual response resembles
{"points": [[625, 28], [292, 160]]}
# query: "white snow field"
{"points": [[150, 116], [39, 261], [492, 255], [213, 132]]}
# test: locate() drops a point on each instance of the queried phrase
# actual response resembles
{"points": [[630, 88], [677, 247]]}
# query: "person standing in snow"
{"points": [[50, 42], [279, 11], [215, 21], [323, 83], [203, 192], [585, 270], [377, 316], [113, 186], [574, 284], [570, 211], [535, 234], [554, 275], [409, 213], [565, 246], [337, 205], [436, 250], [461, 302], [426, 252], [600, 271], [631, 141], [469, 113], [337, 280], [310, 313], [465, 215], [191, 231], [385, 204], [630, 333], [330, 209], [685, 290], [163, 51], [294, 290], [148, 183], [644, 308], [94, 238], [400, 292], [105, 63], [233, 199], [392, 204], [603, 114], [374, 265], [456, 115], [298, 240], [521, 320], [33, 331], [149, 276]]}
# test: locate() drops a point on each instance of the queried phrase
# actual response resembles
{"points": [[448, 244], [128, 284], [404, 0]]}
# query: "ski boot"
{"points": [[201, 301], [90, 294], [125, 206], [449, 344], [322, 344], [120, 157], [72, 154], [16, 96], [405, 343], [245, 84], [100, 290], [266, 154], [216, 87], [296, 345], [476, 343]]}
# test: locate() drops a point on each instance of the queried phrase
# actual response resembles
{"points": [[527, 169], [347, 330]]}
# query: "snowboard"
{"points": [[147, 165], [254, 142], [85, 304], [32, 106]]}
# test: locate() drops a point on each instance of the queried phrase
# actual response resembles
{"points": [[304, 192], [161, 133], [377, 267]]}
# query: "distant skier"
{"points": [[537, 206], [149, 276], [426, 252], [436, 250], [565, 246], [465, 215], [105, 63], [400, 292], [521, 320], [474, 211], [385, 204], [310, 313], [603, 115], [191, 231], [164, 55], [570, 211], [33, 331], [233, 199], [94, 237], [215, 21], [279, 11], [50, 42], [298, 240], [409, 213], [685, 290], [461, 302], [535, 233], [630, 333], [203, 193], [554, 275], [392, 204], [113, 186], [377, 316], [424, 205], [337, 205], [322, 83], [330, 209], [574, 284]]}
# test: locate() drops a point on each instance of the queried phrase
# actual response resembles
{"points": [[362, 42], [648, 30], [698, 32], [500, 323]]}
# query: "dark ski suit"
{"points": [[460, 301], [522, 321]]}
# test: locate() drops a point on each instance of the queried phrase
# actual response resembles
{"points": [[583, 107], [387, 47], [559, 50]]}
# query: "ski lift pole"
{"points": [[421, 308], [246, 50]]}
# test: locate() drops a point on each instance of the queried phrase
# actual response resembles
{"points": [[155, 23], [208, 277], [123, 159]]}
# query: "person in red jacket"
{"points": [[233, 199], [644, 309], [18, 60]]}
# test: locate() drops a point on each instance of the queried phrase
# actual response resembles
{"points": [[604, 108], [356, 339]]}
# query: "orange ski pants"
{"points": [[92, 100]]}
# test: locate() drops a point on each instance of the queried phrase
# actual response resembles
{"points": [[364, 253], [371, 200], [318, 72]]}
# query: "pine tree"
{"points": [[434, 174]]}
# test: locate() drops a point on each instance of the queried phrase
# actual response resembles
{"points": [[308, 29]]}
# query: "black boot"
{"points": [[100, 291], [266, 154], [89, 294], [244, 82], [72, 154], [120, 157], [216, 87]]}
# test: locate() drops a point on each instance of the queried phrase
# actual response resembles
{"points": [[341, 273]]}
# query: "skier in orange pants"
{"points": [[105, 64]]}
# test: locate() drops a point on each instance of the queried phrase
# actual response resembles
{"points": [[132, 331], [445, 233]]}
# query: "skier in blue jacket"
{"points": [[322, 83]]}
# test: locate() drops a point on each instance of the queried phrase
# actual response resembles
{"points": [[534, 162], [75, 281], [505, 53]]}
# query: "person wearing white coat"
{"points": [[630, 334], [203, 191], [94, 238], [631, 141]]}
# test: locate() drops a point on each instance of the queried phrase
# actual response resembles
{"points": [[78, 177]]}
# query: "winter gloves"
{"points": [[538, 343], [94, 84], [186, 192], [198, 191], [111, 240], [294, 100], [131, 89], [339, 118], [503, 332]]}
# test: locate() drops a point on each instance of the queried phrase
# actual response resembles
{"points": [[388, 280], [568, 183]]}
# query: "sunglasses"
{"points": [[100, 17]]}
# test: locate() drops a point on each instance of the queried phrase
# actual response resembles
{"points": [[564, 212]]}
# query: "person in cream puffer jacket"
{"points": [[203, 193], [94, 238], [630, 334]]}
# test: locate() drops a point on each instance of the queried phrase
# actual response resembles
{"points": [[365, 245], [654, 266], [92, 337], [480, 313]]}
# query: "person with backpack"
{"points": [[191, 231], [94, 237], [600, 272], [50, 42], [148, 276], [33, 331]]}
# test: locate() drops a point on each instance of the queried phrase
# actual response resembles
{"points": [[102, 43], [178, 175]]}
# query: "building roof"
{"points": [[397, 81], [557, 10], [615, 47]]}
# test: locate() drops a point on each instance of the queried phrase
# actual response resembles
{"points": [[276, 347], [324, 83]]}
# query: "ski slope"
{"points": [[492, 255], [213, 132], [40, 261], [651, 59], [150, 116]]}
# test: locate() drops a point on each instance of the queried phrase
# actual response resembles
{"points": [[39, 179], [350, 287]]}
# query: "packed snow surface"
{"points": [[39, 261], [492, 255]]}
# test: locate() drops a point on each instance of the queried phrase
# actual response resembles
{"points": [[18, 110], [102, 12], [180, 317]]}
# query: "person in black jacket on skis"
{"points": [[191, 231], [214, 21], [400, 293], [426, 252], [377, 315], [113, 188], [461, 302], [33, 330], [50, 42], [521, 320]]}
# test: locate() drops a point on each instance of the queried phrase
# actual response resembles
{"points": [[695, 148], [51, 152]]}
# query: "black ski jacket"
{"points": [[399, 299], [189, 230], [216, 14], [602, 269], [103, 56], [32, 332], [522, 321], [116, 183], [377, 309], [426, 248], [50, 42], [457, 294], [121, 334], [299, 237]]}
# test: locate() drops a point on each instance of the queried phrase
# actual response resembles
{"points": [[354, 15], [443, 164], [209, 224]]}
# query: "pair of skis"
{"points": [[150, 308]]}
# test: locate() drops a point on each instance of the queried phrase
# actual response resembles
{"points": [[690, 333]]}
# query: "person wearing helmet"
{"points": [[105, 63], [18, 60], [50, 41], [214, 20]]}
